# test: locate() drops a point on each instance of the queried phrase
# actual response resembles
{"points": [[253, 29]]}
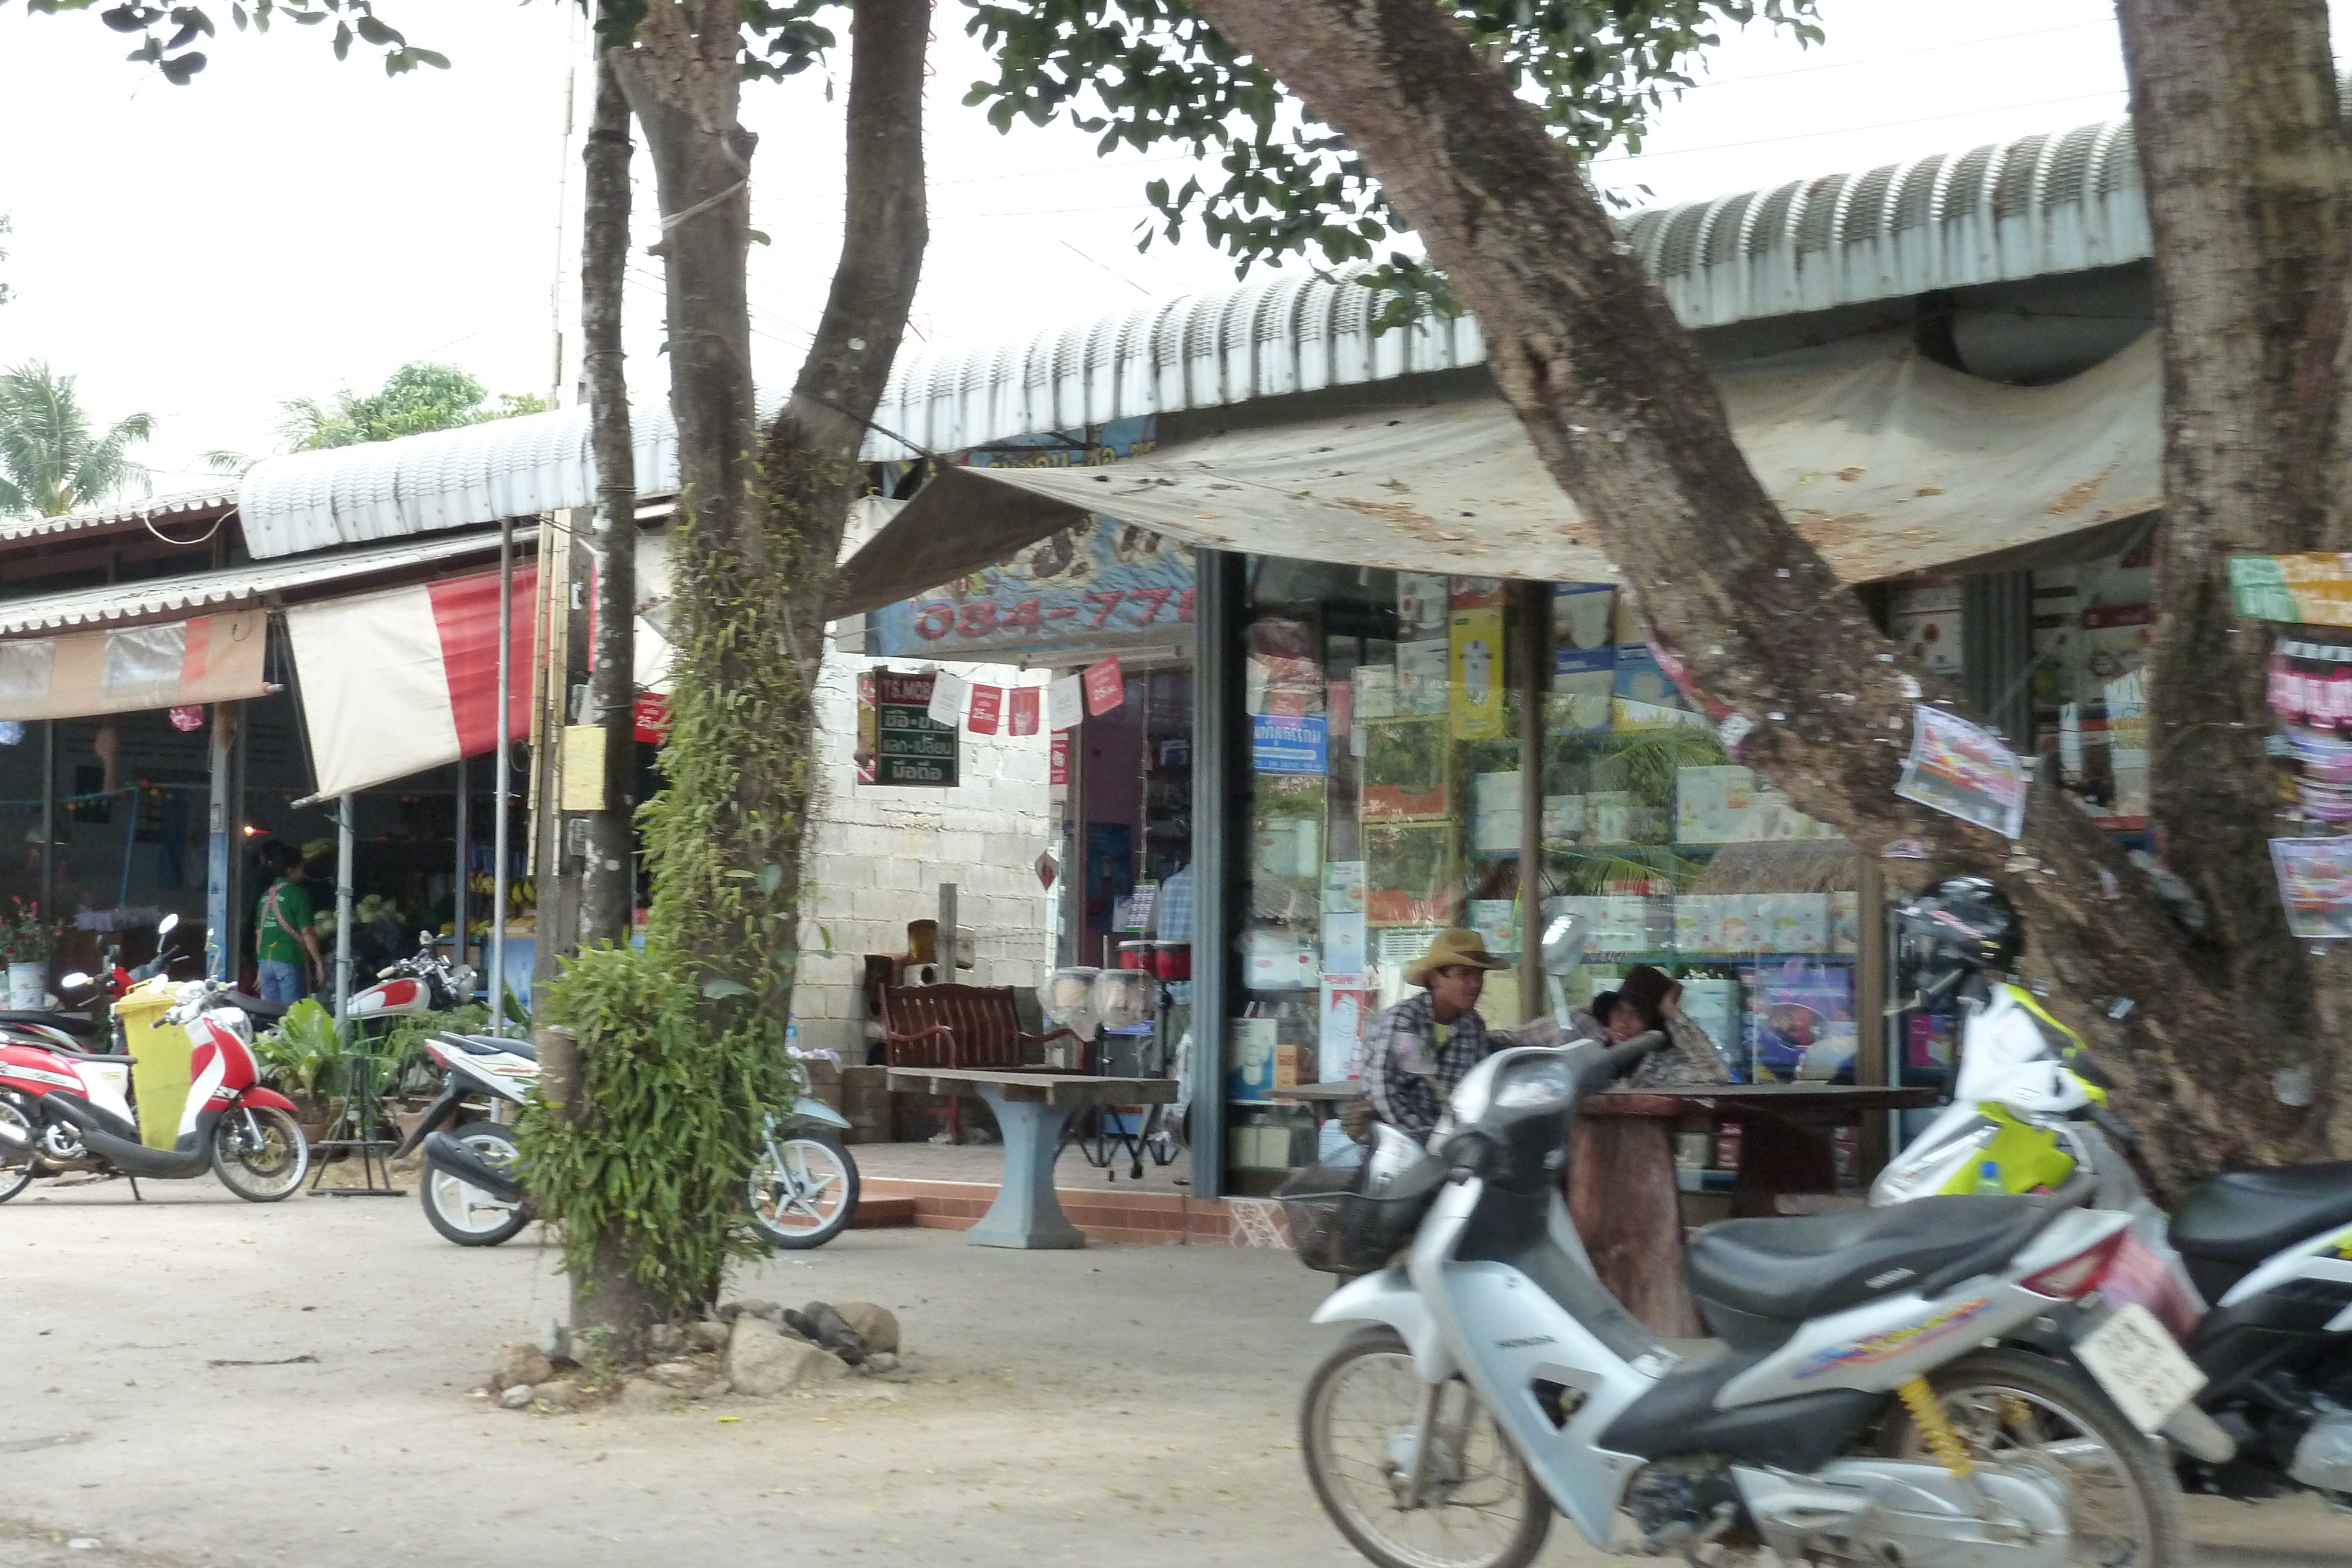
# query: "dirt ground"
{"points": [[1124, 1403]]}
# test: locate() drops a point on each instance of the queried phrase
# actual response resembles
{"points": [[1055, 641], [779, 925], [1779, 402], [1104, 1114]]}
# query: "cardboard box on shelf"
{"points": [[1294, 1064]]}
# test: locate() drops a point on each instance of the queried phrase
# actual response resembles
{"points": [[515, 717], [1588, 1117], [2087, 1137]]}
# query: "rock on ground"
{"points": [[877, 1325], [761, 1362], [516, 1398], [709, 1336], [665, 1339], [518, 1363]]}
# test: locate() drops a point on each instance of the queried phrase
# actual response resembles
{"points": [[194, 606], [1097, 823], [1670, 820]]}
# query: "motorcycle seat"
{"points": [[255, 1006], [492, 1045], [2243, 1216], [1756, 1280]]}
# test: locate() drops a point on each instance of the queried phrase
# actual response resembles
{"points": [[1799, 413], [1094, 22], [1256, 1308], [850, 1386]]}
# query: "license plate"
{"points": [[2142, 1370]]}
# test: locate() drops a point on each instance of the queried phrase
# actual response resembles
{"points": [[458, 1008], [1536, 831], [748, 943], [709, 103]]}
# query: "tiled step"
{"points": [[1132, 1215], [877, 1211]]}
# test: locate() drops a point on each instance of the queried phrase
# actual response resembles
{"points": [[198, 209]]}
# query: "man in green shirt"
{"points": [[286, 952]]}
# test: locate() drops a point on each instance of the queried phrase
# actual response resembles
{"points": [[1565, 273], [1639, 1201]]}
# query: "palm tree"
{"points": [[50, 462]]}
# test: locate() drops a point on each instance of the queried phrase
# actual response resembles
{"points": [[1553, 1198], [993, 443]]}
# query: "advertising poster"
{"points": [[1495, 813], [1285, 744], [1255, 1043], [1801, 1022], [1583, 684], [1343, 888], [1057, 763], [1421, 677], [1106, 689], [1581, 616], [2314, 879], [987, 707], [1410, 873], [1476, 657], [1343, 944], [946, 708], [1963, 770], [910, 747], [1025, 710], [1349, 1007], [1064, 703]]}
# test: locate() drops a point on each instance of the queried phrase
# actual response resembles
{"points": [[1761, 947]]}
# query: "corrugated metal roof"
{"points": [[235, 585], [215, 498], [2039, 205]]}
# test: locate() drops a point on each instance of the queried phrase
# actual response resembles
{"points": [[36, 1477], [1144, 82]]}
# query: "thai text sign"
{"points": [[910, 747]]}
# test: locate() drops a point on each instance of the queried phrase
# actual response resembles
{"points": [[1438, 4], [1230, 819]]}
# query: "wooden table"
{"points": [[1320, 1094], [1030, 1110], [1627, 1204]]}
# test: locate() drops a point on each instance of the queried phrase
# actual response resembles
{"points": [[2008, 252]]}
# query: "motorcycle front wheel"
{"points": [[16, 1163], [2017, 1411], [259, 1152], [1478, 1505], [463, 1212], [802, 1191]]}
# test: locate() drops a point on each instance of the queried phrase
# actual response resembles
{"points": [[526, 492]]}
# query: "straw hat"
{"points": [[1448, 948]]}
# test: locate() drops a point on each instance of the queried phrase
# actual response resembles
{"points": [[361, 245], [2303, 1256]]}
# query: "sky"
{"points": [[289, 226]]}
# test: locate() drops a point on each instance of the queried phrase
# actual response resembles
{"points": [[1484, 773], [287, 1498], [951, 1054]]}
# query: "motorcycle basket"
{"points": [[1339, 1228]]}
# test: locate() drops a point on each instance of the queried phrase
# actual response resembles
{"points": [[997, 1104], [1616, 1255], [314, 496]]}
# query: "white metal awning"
{"points": [[1886, 461], [237, 585]]}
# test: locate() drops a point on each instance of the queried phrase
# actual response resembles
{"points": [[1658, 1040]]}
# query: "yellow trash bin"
{"points": [[160, 1075]]}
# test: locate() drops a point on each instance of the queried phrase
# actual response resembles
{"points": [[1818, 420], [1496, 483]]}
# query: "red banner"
{"points": [[652, 716], [1024, 711], [987, 705], [1057, 769], [1105, 688]]}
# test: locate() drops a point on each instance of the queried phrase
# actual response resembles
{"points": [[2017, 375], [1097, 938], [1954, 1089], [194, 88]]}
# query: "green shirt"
{"points": [[278, 930]]}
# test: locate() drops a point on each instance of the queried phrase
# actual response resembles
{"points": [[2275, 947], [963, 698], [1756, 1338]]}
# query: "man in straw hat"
{"points": [[1415, 1053]]}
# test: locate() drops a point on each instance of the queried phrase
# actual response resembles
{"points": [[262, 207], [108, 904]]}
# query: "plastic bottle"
{"points": [[1989, 1180]]}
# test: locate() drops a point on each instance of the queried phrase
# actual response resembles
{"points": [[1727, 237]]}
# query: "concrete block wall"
{"points": [[880, 854]]}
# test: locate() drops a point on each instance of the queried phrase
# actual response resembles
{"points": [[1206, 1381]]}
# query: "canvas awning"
{"points": [[1888, 462], [205, 659]]}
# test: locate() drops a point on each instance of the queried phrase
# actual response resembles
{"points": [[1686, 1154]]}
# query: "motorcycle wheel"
{"points": [[463, 1212], [2021, 1411], [802, 1191], [16, 1165], [263, 1171], [1480, 1506]]}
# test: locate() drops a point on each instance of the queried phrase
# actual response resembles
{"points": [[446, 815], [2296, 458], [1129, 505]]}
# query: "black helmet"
{"points": [[1957, 929]]}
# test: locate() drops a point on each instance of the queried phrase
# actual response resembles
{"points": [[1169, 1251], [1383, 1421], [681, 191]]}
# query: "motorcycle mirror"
{"points": [[1563, 943], [165, 926], [387, 971], [74, 981], [424, 939]]}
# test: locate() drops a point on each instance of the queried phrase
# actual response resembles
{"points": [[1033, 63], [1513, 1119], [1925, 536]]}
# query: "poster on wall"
{"points": [[909, 749], [1349, 1005], [2315, 880], [1475, 660], [1283, 744], [1963, 770], [1801, 1022]]}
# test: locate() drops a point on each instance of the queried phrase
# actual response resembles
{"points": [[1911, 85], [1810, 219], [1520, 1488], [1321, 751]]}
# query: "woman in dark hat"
{"points": [[1649, 998]]}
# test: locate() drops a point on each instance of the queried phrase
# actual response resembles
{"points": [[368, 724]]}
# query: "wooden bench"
{"points": [[964, 1029]]}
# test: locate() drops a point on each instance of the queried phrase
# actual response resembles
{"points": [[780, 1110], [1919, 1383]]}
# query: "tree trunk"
{"points": [[605, 901], [1619, 403], [608, 1304], [757, 552], [2248, 171]]}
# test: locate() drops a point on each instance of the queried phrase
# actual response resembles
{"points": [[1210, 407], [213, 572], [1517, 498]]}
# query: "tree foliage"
{"points": [[169, 35], [52, 460], [415, 398], [4, 290]]}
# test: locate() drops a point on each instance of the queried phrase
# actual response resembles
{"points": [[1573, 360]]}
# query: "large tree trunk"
{"points": [[1618, 402], [2247, 170], [605, 904]]}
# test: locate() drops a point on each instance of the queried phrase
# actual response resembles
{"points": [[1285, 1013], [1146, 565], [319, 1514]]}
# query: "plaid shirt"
{"points": [[1408, 1076]]}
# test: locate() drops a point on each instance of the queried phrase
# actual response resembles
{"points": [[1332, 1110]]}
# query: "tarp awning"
{"points": [[205, 659], [1887, 462], [397, 681]]}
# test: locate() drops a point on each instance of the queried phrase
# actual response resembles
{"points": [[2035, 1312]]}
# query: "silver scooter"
{"points": [[1847, 1414]]}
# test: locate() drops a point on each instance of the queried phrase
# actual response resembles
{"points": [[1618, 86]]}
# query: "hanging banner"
{"points": [[2312, 590], [1106, 690], [946, 708], [650, 715], [911, 750], [1024, 711], [987, 705], [1474, 652], [1057, 763], [1964, 771], [183, 664], [1064, 703]]}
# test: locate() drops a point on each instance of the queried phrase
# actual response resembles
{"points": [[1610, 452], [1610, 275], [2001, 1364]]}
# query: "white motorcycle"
{"points": [[1848, 1414], [801, 1192]]}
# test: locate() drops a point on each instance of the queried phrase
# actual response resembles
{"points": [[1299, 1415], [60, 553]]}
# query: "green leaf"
{"points": [[771, 877], [719, 987], [342, 40]]}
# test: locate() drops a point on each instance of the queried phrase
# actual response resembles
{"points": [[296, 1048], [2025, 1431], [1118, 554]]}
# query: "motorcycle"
{"points": [[801, 1193], [66, 1108], [2269, 1249], [425, 982], [1849, 1413]]}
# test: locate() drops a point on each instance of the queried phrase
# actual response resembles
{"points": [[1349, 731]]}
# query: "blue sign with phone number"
{"points": [[1106, 584]]}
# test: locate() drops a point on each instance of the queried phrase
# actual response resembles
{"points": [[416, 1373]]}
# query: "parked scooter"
{"points": [[802, 1193], [63, 1108], [2270, 1249], [1849, 1414], [425, 982]]}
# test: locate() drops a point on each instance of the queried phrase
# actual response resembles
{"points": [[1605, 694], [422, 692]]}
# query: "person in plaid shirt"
{"points": [[1417, 1050]]}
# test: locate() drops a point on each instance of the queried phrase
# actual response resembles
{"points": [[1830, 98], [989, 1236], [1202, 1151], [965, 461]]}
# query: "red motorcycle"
{"points": [[64, 1108]]}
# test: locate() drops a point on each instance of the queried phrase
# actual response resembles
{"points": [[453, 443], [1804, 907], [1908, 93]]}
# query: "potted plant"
{"points": [[26, 941]]}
